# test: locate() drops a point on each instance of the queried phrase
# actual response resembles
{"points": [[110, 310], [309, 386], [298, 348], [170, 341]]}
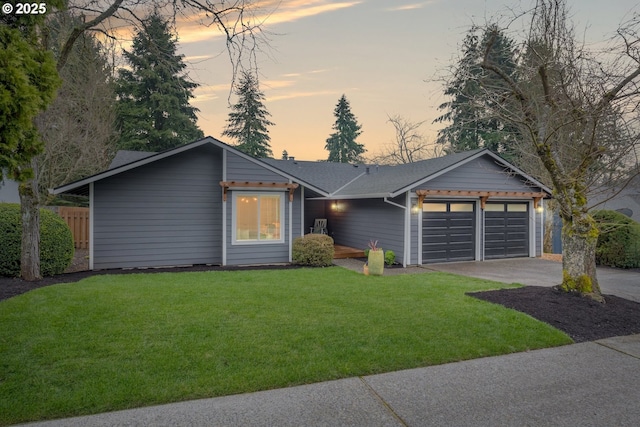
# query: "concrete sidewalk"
{"points": [[587, 384]]}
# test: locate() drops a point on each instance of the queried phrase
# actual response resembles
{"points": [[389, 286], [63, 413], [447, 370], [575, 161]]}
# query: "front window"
{"points": [[258, 217]]}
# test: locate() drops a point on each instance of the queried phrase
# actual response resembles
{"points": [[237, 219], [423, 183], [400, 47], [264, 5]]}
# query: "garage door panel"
{"points": [[448, 236], [506, 231]]}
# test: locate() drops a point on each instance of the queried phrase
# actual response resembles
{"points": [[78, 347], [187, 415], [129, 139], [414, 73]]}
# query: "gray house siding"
{"points": [[165, 213], [240, 169], [481, 174], [243, 170], [357, 221], [297, 212]]}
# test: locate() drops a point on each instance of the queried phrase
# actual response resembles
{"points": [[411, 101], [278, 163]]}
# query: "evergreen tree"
{"points": [[341, 144], [285, 155], [28, 83], [153, 112], [471, 123], [247, 122]]}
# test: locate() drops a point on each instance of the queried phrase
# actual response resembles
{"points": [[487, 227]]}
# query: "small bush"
{"points": [[56, 242], [314, 250], [366, 252], [389, 258], [619, 240]]}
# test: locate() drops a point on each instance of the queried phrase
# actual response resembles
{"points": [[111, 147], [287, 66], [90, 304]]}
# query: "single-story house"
{"points": [[208, 203]]}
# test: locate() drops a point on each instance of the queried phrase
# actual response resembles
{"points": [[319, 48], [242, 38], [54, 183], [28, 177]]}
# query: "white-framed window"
{"points": [[258, 217]]}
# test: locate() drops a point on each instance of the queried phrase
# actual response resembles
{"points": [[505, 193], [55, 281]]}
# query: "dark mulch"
{"points": [[583, 319]]}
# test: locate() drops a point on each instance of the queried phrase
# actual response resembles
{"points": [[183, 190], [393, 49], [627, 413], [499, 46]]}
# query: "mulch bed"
{"points": [[581, 318]]}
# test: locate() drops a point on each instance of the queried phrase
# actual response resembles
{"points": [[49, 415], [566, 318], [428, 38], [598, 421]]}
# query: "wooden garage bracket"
{"points": [[226, 185], [483, 195]]}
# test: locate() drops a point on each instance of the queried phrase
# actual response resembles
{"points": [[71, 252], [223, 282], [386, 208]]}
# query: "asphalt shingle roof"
{"points": [[124, 157], [389, 179], [340, 179], [325, 176]]}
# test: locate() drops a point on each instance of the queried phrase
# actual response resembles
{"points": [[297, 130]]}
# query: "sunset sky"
{"points": [[386, 56]]}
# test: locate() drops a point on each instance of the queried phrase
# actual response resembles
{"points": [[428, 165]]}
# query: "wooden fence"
{"points": [[78, 221]]}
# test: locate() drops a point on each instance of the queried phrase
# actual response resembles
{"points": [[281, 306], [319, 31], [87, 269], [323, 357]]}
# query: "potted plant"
{"points": [[375, 259]]}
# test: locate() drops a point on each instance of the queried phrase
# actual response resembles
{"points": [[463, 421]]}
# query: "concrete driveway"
{"points": [[539, 272]]}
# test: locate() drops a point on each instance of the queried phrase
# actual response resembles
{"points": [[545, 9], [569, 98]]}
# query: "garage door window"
{"points": [[516, 207], [434, 207], [461, 207], [494, 207]]}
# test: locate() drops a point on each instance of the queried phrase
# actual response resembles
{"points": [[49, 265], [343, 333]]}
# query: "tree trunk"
{"points": [[30, 251], [579, 239]]}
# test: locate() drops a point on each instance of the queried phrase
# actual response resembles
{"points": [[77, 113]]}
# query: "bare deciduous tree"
{"points": [[79, 125], [409, 146], [576, 111]]}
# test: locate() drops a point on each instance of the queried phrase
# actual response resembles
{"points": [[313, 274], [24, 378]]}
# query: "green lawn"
{"points": [[115, 342]]}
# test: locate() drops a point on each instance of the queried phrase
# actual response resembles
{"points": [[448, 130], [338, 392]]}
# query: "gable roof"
{"points": [[330, 180], [81, 186], [361, 181]]}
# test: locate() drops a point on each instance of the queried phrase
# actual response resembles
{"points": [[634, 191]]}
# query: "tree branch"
{"points": [[77, 31]]}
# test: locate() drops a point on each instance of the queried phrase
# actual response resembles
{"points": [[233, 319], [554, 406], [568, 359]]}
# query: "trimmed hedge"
{"points": [[56, 242], [619, 240], [314, 250]]}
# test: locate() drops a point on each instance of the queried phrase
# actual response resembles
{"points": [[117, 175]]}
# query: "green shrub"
{"points": [[56, 242], [389, 257], [619, 240], [315, 250], [366, 252]]}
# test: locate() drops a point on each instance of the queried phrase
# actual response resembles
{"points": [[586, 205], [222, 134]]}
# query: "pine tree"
{"points": [[247, 122], [153, 111], [471, 125], [341, 144]]}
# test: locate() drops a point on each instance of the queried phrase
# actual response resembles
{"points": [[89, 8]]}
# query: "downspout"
{"points": [[290, 227], [224, 210], [301, 210], [533, 232], [91, 221], [407, 228]]}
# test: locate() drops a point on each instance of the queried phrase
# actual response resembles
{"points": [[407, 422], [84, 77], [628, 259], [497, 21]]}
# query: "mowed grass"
{"points": [[123, 341]]}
